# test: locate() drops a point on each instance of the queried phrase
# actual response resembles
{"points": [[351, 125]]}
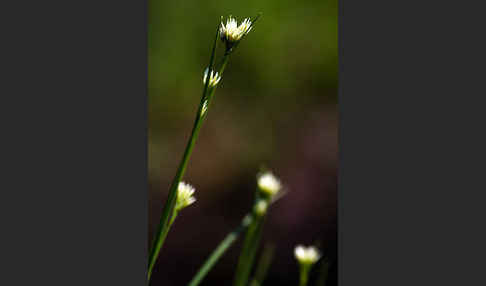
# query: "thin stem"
{"points": [[304, 274], [224, 61], [169, 206], [247, 256], [172, 197], [263, 265], [321, 281], [219, 251], [163, 236]]}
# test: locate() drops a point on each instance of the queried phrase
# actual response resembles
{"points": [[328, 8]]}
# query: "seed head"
{"points": [[269, 184], [184, 196], [214, 78], [307, 255], [232, 33]]}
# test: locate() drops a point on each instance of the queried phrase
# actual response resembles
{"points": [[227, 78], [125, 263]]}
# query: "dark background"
{"points": [[276, 106]]}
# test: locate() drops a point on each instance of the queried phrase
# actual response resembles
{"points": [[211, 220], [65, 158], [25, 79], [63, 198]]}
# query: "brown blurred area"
{"points": [[276, 106]]}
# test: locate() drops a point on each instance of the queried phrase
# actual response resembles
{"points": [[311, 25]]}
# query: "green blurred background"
{"points": [[276, 106]]}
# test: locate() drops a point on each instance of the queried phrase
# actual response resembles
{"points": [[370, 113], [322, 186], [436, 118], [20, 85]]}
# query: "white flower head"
{"points": [[307, 255], [184, 196], [214, 78], [269, 184], [231, 32], [260, 207]]}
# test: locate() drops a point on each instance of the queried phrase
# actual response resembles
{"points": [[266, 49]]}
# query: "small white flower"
{"points": [[261, 207], [214, 78], [269, 184], [232, 33], [204, 107], [307, 255], [184, 196]]}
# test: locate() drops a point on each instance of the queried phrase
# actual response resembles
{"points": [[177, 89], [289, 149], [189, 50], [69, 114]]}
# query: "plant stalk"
{"points": [[219, 251], [250, 247], [304, 274], [168, 210], [263, 265]]}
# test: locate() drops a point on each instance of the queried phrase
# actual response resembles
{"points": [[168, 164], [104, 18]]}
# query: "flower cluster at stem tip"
{"points": [[232, 32], [184, 196], [307, 255], [268, 184]]}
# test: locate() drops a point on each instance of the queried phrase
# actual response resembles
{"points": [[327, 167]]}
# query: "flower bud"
{"points": [[268, 184], [307, 255]]}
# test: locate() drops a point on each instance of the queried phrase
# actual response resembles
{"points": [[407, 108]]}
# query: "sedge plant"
{"points": [[269, 188], [231, 35]]}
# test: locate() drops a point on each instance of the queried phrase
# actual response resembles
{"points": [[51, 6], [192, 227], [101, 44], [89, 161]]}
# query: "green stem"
{"points": [[304, 274], [219, 251], [163, 236], [169, 206], [263, 265], [168, 210], [224, 61], [247, 256], [324, 271]]}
